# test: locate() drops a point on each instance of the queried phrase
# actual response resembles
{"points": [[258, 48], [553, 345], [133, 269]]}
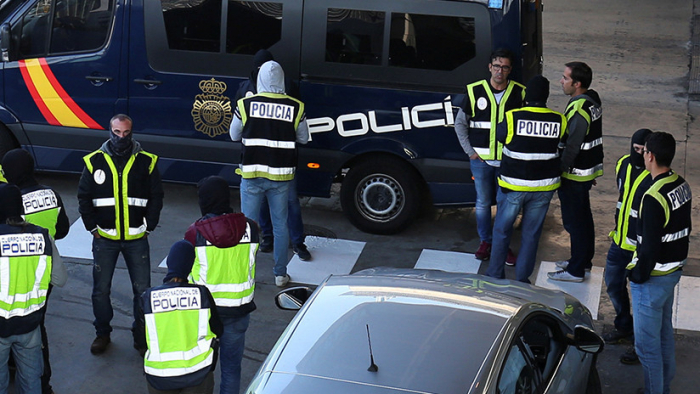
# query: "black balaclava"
{"points": [[121, 146], [214, 195], [10, 202], [18, 165], [639, 137], [180, 260], [259, 59], [537, 91]]}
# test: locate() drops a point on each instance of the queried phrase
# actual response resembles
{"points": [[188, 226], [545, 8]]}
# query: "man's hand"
{"points": [[475, 156]]}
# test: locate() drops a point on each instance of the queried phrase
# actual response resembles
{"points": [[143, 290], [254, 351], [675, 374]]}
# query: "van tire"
{"points": [[7, 141], [381, 195]]}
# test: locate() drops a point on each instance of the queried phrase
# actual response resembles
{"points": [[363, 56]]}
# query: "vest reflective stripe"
{"points": [[137, 202], [159, 362], [112, 232], [661, 269], [278, 171], [230, 280], [592, 144], [625, 233], [540, 184], [25, 297], [269, 143], [480, 125], [529, 156], [104, 202], [483, 152], [676, 236], [586, 172]]}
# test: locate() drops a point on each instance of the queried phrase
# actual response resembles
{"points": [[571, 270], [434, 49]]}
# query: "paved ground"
{"points": [[639, 51]]}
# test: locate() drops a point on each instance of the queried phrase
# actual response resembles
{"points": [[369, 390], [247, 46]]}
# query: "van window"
{"points": [[354, 36], [192, 25], [72, 26], [252, 26]]}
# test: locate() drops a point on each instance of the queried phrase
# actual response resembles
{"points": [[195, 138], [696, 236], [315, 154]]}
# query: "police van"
{"points": [[380, 80]]}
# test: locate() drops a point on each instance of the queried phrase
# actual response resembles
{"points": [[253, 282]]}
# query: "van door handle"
{"points": [[98, 78], [148, 81]]}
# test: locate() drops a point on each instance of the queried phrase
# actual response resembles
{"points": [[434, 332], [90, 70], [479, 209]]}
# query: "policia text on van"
{"points": [[378, 78]]}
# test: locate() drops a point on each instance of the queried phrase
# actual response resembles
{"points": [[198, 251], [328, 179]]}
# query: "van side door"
{"points": [[187, 59], [62, 80]]}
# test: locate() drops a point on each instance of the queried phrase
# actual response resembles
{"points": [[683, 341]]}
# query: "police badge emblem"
{"points": [[211, 110]]}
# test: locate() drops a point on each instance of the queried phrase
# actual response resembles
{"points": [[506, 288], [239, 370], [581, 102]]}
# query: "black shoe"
{"points": [[301, 251], [619, 337], [630, 357], [99, 345], [267, 244]]}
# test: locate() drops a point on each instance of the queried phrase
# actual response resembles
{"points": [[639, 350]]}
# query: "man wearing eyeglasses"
{"points": [[484, 106], [581, 164], [663, 238]]}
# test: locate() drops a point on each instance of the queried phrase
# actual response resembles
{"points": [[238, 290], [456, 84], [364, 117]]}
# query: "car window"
{"points": [[517, 376], [544, 341]]}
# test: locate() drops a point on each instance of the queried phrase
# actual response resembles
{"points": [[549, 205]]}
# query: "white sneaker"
{"points": [[562, 264], [281, 281], [563, 276]]}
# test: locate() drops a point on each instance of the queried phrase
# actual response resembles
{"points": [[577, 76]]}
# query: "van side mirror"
{"points": [[293, 298], [5, 39]]}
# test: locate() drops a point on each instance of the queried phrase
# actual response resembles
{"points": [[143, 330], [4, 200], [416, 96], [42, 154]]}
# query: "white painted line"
{"points": [[686, 308], [328, 256], [588, 291], [442, 260], [78, 243]]}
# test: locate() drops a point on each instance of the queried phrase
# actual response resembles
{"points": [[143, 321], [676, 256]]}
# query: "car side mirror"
{"points": [[588, 340], [293, 298], [5, 39]]}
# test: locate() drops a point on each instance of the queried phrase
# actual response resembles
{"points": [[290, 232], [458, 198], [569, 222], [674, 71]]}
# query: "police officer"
{"points": [[663, 238], [581, 164], [269, 125], [120, 197], [530, 173], [42, 206], [485, 103], [632, 181], [35, 263], [226, 244], [182, 325]]}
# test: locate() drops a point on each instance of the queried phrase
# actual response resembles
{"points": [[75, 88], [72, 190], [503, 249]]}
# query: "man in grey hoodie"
{"points": [[269, 124]]}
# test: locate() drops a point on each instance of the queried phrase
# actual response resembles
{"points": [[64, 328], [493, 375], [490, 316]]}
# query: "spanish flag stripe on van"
{"points": [[47, 92]]}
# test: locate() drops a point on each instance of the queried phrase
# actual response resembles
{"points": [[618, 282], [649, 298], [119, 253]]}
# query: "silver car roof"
{"points": [[426, 335]]}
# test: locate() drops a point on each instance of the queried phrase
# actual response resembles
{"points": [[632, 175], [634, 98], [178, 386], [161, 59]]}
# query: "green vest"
{"points": [[625, 233], [228, 273], [25, 261], [41, 208], [177, 331]]}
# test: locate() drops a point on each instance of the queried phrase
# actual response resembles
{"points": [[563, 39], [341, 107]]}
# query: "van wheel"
{"points": [[7, 141], [381, 196]]}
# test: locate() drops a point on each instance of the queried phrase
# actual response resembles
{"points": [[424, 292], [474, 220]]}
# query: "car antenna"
{"points": [[372, 367]]}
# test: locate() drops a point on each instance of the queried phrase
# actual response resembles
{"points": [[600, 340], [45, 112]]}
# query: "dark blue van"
{"points": [[381, 80]]}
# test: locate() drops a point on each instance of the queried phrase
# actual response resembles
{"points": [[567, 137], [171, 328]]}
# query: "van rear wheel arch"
{"points": [[382, 194]]}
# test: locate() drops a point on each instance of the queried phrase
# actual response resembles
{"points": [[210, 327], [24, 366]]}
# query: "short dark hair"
{"points": [[580, 72], [503, 53], [121, 118], [663, 146]]}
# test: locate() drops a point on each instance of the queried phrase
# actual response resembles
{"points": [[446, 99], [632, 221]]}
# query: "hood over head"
{"points": [[271, 78], [259, 59], [10, 202], [537, 91], [18, 165], [214, 195], [180, 260], [639, 137]]}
